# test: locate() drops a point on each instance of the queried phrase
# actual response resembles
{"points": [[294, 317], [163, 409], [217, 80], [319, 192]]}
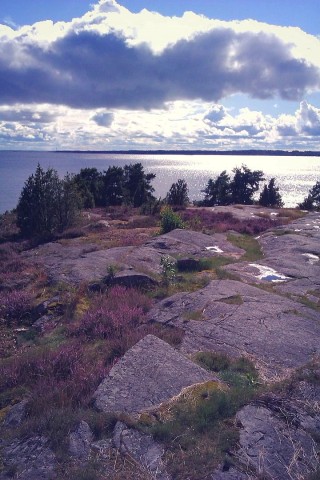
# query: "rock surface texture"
{"points": [[150, 373], [240, 319], [142, 448], [268, 312], [30, 459], [273, 447]]}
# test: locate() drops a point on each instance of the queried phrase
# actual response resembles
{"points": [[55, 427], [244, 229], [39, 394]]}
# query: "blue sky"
{"points": [[80, 74]]}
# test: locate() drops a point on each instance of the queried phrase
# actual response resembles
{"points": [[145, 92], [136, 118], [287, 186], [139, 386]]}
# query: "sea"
{"points": [[295, 175]]}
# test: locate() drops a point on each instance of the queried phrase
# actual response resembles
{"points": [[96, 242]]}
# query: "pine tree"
{"points": [[47, 204], [270, 196], [178, 194]]}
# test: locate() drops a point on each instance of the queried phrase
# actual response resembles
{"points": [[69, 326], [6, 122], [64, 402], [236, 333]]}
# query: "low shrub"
{"points": [[169, 220], [206, 220], [110, 316], [65, 376], [15, 305], [213, 361]]}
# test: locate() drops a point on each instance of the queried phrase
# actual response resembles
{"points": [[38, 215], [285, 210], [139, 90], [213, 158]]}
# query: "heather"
{"points": [[15, 305], [61, 337], [201, 219]]}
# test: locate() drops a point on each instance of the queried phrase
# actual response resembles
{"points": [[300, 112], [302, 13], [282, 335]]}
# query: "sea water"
{"points": [[295, 175]]}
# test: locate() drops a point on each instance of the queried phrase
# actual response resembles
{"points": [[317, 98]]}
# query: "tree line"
{"points": [[48, 204]]}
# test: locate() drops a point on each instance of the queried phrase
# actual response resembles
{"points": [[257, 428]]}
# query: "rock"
{"points": [[31, 459], [16, 415], [150, 373], [188, 264], [231, 474], [239, 319], [293, 252], [272, 447], [131, 278], [102, 448], [79, 442], [45, 322], [50, 306], [188, 242], [142, 448], [76, 264]]}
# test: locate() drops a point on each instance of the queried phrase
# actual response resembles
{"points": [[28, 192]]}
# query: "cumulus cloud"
{"points": [[103, 119], [100, 61], [308, 119]]}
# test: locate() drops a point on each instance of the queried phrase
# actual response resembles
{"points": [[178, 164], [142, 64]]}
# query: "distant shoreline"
{"points": [[293, 153], [273, 153]]}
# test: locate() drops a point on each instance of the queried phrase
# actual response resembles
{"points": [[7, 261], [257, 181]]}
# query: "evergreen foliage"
{"points": [[270, 196], [178, 194], [137, 185], [224, 191], [128, 185], [47, 204], [90, 185], [113, 186], [245, 184], [312, 201], [218, 191]]}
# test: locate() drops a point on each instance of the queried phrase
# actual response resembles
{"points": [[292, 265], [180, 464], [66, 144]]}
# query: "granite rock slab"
{"points": [[274, 447], [150, 373], [188, 242], [232, 317]]}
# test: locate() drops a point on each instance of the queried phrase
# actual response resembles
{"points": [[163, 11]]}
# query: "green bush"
{"points": [[170, 220]]}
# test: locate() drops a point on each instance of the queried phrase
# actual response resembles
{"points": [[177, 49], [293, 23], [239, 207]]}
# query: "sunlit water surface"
{"points": [[294, 175]]}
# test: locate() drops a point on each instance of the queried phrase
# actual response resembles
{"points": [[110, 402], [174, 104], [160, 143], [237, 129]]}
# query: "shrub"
{"points": [[169, 220], [223, 221], [111, 316], [65, 376], [14, 305], [168, 270]]}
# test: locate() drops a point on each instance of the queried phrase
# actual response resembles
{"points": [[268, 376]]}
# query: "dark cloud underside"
{"points": [[90, 70]]}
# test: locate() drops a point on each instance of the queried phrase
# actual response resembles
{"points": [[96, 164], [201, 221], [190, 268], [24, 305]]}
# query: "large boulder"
{"points": [[150, 373]]}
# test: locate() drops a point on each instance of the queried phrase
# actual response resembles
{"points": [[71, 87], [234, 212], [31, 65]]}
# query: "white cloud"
{"points": [[116, 78]]}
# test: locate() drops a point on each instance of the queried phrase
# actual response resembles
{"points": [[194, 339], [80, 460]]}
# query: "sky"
{"points": [[159, 74]]}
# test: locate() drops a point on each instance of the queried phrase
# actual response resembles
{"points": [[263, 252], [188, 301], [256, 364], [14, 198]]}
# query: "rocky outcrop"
{"points": [[80, 442], [76, 264], [150, 373], [142, 448], [293, 252], [273, 447], [15, 415], [30, 459], [187, 242], [239, 319]]}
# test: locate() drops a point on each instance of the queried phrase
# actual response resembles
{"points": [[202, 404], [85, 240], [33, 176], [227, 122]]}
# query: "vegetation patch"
{"points": [[249, 244], [232, 300], [198, 427], [196, 315], [207, 221]]}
